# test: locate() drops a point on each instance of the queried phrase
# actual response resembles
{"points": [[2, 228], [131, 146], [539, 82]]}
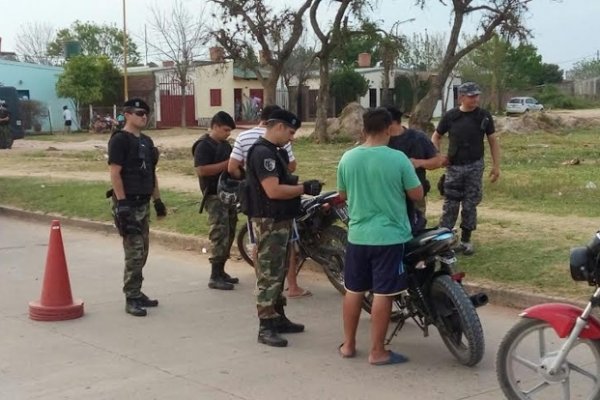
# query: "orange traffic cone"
{"points": [[56, 303]]}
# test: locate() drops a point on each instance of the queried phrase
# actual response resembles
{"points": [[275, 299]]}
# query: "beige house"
{"points": [[220, 86]]}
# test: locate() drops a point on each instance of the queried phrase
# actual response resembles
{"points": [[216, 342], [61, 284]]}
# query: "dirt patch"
{"points": [[548, 121]]}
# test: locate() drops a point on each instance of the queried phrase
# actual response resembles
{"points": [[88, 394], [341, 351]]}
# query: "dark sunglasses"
{"points": [[141, 113]]}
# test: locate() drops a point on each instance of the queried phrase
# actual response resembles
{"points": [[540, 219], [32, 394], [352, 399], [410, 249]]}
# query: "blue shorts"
{"points": [[376, 268]]}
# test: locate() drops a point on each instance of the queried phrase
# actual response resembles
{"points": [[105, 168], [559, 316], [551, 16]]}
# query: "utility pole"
{"points": [[125, 91]]}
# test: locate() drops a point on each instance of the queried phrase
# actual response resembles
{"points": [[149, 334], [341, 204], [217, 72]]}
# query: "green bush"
{"points": [[551, 97]]}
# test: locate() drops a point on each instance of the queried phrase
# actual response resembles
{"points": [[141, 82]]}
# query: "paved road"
{"points": [[200, 343]]}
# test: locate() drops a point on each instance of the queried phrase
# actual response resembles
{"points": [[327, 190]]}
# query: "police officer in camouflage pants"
{"points": [[467, 126], [273, 197], [132, 160], [211, 156]]}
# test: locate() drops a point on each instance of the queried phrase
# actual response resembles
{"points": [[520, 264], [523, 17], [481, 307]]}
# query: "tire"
{"points": [[523, 344], [244, 245], [457, 321], [335, 238]]}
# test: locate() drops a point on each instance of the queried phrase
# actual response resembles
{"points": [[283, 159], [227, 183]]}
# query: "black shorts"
{"points": [[68, 123], [376, 268]]}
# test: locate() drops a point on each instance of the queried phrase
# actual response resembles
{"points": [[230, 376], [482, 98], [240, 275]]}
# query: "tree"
{"points": [[33, 41], [297, 68], [346, 85], [354, 41], [89, 79], [421, 57], [246, 23], [585, 69], [180, 38], [96, 40], [328, 42], [502, 16]]}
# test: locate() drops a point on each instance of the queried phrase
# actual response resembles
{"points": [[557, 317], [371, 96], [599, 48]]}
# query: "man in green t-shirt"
{"points": [[375, 180]]}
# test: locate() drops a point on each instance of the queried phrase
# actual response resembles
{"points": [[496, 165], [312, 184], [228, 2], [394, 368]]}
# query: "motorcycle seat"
{"points": [[308, 202], [429, 236]]}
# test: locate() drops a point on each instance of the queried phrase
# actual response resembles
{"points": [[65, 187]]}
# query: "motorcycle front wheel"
{"points": [[457, 320], [333, 240], [525, 355]]}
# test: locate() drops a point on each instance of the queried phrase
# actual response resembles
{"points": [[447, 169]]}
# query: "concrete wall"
{"points": [[40, 81], [219, 76]]}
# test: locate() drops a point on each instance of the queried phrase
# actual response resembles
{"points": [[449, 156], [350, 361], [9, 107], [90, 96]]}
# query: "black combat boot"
{"points": [[133, 307], [229, 279], [226, 277], [145, 301], [217, 281], [283, 324], [267, 334]]}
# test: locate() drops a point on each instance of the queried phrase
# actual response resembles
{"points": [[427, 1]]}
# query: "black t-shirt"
{"points": [[207, 152], [263, 162], [466, 131], [135, 155], [415, 144]]}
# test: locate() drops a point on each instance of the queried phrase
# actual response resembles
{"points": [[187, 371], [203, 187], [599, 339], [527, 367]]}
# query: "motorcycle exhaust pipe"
{"points": [[479, 299]]}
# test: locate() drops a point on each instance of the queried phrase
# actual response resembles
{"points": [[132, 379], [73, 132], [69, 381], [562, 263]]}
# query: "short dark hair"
{"points": [[266, 112], [376, 121], [395, 113], [222, 118]]}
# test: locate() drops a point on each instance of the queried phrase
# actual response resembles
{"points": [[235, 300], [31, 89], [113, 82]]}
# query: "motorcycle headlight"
{"points": [[580, 264]]}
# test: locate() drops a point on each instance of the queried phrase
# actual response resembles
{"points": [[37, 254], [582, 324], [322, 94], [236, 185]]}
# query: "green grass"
{"points": [[534, 178], [87, 200]]}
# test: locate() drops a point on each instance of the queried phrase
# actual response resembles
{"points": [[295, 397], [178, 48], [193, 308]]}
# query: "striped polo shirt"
{"points": [[246, 139]]}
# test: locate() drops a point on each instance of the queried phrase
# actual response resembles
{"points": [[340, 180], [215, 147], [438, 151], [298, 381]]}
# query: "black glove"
{"points": [[312, 187], [123, 210], [159, 207]]}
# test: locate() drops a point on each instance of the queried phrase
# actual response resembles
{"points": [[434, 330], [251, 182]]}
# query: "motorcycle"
{"points": [[319, 238], [435, 296], [553, 352]]}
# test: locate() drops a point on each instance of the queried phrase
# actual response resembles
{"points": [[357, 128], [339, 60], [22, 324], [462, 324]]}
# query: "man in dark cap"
{"points": [[467, 126], [211, 156], [273, 197], [132, 160]]}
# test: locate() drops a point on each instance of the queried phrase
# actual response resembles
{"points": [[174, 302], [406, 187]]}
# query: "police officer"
{"points": [[422, 153], [5, 134], [132, 160], [467, 126], [273, 196], [211, 156]]}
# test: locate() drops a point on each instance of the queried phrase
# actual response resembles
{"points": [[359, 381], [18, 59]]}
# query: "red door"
{"points": [[171, 102]]}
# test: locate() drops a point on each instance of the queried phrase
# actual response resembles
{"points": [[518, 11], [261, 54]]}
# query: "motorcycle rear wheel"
{"points": [[527, 350], [244, 246], [335, 238], [457, 320]]}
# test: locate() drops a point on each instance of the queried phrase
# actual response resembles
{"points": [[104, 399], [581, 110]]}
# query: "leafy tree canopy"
{"points": [[90, 79], [347, 84], [585, 69], [96, 40]]}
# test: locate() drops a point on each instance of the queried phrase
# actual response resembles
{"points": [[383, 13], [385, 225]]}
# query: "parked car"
{"points": [[521, 105]]}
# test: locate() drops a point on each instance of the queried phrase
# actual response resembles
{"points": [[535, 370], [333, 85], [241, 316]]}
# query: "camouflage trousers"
{"points": [[463, 187], [222, 220], [5, 137], [272, 240], [136, 248]]}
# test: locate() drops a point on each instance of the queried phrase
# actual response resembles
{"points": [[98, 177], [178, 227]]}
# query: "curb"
{"points": [[499, 297]]}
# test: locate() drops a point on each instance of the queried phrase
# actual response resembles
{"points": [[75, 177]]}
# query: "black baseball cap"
{"points": [[136, 102], [285, 116]]}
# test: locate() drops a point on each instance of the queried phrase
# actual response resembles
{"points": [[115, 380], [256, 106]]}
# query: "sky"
{"points": [[564, 31]]}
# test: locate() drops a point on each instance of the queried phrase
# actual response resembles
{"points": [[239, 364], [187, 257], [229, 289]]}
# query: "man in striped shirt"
{"points": [[237, 161]]}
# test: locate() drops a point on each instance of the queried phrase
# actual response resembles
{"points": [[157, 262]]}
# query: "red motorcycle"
{"points": [[553, 352]]}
